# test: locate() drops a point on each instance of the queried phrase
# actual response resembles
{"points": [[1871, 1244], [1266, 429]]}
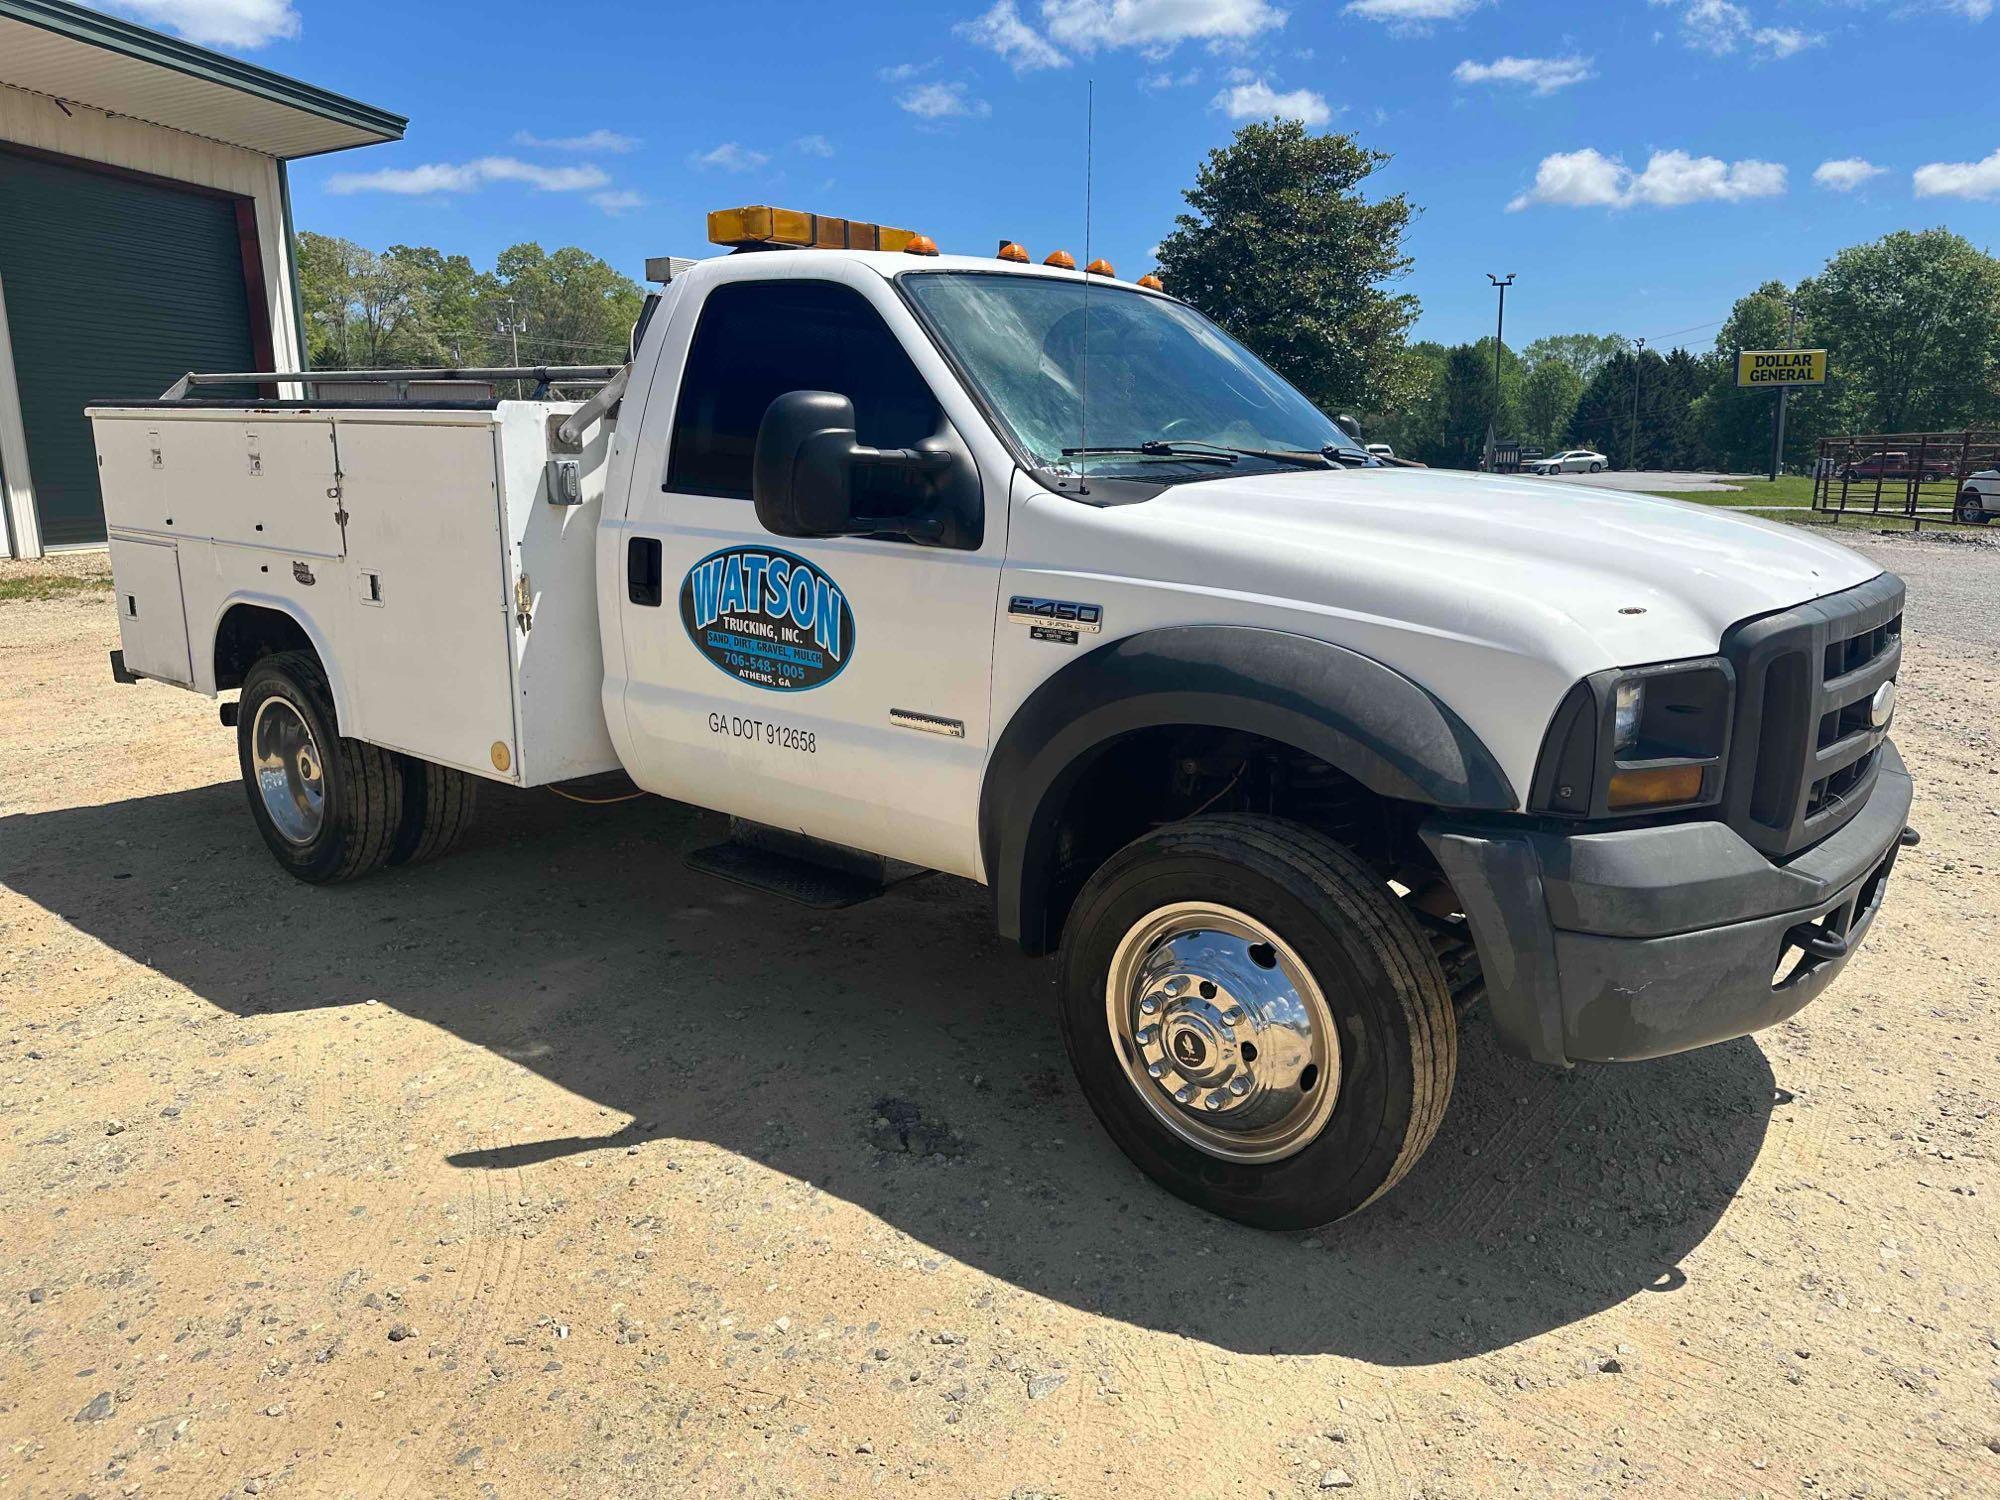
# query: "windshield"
{"points": [[1163, 379]]}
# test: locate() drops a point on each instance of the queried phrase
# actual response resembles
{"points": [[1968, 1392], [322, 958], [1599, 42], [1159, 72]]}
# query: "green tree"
{"points": [[1584, 353], [571, 307], [1282, 249], [1548, 399], [1912, 322], [1736, 422]]}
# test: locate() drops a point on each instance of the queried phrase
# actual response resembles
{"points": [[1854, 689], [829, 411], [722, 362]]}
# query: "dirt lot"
{"points": [[554, 1169]]}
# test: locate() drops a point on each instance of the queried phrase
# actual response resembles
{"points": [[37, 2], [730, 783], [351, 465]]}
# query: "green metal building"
{"points": [[145, 231]]}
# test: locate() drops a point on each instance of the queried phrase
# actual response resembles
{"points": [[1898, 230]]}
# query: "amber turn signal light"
{"points": [[1099, 268], [1662, 786], [1152, 283], [1062, 260], [1011, 251]]}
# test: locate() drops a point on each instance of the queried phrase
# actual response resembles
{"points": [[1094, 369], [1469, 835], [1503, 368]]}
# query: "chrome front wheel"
{"points": [[1223, 1032], [290, 771]]}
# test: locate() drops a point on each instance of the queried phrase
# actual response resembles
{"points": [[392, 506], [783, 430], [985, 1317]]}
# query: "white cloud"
{"points": [[904, 72], [1543, 74], [1972, 10], [1156, 26], [813, 145], [730, 157], [464, 177], [1154, 82], [1722, 26], [943, 101], [1958, 179], [1002, 30], [216, 23], [1846, 174], [1412, 16], [1257, 100], [618, 201], [594, 140], [1590, 179]]}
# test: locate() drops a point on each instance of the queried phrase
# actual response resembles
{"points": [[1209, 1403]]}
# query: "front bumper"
{"points": [[1610, 947]]}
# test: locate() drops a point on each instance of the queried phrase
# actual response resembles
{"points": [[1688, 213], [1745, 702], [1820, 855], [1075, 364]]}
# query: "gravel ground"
{"points": [[554, 1169]]}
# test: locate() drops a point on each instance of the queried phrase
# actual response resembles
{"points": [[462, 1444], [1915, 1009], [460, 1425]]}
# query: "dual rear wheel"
{"points": [[332, 808]]}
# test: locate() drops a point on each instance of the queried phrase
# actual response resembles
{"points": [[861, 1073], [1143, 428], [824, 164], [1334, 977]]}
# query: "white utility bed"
{"points": [[454, 606]]}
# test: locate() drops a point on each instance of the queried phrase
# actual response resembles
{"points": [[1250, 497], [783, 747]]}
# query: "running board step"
{"points": [[790, 876]]}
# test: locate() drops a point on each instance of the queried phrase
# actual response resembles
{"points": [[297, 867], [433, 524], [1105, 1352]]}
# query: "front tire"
{"points": [[1972, 508], [327, 806], [1258, 1023]]}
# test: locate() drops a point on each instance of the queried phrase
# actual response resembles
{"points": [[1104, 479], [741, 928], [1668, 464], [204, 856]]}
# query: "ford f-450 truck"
{"points": [[1284, 754]]}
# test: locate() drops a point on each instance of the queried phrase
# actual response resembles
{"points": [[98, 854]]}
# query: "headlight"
{"points": [[1640, 739], [1631, 702]]}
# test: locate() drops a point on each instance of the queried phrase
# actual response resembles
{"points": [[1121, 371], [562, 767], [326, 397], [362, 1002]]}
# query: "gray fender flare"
{"points": [[1346, 709]]}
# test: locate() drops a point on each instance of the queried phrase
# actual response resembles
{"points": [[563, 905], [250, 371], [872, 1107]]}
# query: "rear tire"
{"points": [[328, 807], [1597, 468], [438, 805], [1313, 962]]}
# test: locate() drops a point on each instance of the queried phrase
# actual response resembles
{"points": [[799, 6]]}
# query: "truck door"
{"points": [[836, 687]]}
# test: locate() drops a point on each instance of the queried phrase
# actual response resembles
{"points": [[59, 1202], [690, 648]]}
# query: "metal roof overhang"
{"points": [[82, 57]]}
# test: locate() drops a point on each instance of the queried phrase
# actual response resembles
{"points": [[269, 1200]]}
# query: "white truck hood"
{"points": [[1645, 579], [1495, 594]]}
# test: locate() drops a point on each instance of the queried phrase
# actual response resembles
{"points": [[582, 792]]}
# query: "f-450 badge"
{"points": [[1059, 620], [768, 618]]}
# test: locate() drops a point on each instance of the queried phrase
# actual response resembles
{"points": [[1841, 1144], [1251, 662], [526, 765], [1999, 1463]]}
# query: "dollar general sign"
{"points": [[1780, 367]]}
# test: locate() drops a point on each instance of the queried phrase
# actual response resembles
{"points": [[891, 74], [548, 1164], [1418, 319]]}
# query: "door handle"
{"points": [[642, 571]]}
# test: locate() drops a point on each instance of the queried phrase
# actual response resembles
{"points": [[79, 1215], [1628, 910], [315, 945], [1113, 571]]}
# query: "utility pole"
{"points": [[1632, 443], [1784, 392], [1499, 328]]}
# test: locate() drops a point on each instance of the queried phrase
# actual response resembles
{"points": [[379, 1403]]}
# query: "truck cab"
{"points": [[1038, 578]]}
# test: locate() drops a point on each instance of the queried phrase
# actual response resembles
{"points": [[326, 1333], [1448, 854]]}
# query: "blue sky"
{"points": [[1637, 163]]}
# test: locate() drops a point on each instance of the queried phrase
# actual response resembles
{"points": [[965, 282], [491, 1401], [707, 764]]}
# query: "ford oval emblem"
{"points": [[1883, 705]]}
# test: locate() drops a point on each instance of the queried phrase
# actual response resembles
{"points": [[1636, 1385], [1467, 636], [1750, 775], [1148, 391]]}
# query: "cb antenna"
{"points": [[1089, 154]]}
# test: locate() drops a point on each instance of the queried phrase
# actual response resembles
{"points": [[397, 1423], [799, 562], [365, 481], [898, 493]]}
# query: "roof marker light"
{"points": [[1011, 251], [1099, 268], [921, 244], [1152, 283], [1062, 260]]}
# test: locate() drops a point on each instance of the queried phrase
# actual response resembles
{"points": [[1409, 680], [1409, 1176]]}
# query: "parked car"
{"points": [[1383, 451], [1979, 497], [1891, 464], [1571, 461]]}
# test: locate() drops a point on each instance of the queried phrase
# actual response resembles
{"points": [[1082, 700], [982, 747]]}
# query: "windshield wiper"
{"points": [[1352, 457], [1154, 448]]}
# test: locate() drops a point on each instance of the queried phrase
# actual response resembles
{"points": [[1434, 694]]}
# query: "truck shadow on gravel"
{"points": [[902, 1057]]}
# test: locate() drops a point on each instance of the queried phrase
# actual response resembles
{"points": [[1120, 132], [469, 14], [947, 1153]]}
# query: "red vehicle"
{"points": [[1895, 465]]}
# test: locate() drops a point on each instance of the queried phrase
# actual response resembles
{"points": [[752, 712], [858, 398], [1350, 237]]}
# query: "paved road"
{"points": [[1655, 480]]}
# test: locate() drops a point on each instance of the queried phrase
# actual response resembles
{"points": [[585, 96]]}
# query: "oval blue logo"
{"points": [[768, 618]]}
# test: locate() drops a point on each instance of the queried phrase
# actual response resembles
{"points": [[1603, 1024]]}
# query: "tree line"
{"points": [[411, 306], [1281, 248]]}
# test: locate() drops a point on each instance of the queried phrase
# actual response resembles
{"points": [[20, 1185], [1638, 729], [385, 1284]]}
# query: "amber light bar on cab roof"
{"points": [[760, 224]]}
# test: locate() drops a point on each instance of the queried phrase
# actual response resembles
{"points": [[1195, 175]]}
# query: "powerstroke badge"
{"points": [[768, 618]]}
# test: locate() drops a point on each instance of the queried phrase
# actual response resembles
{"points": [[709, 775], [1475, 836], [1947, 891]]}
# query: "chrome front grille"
{"points": [[1805, 753]]}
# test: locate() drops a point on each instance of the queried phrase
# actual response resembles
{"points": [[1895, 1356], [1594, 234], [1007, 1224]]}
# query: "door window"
{"points": [[759, 339]]}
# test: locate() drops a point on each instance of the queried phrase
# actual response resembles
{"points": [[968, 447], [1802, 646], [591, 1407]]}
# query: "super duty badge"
{"points": [[1055, 619]]}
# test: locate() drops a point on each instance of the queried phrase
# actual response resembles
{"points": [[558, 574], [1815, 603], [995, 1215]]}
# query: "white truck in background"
{"points": [[1287, 754]]}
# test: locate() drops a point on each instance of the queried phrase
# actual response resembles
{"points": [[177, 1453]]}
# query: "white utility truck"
{"points": [[1286, 754]]}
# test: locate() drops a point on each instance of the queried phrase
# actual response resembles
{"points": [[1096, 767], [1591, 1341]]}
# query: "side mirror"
{"points": [[1348, 425], [802, 475]]}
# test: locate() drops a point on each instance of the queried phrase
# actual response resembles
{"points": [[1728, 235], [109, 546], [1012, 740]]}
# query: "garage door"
{"points": [[115, 288]]}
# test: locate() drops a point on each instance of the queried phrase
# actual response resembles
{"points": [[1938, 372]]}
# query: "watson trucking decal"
{"points": [[768, 618]]}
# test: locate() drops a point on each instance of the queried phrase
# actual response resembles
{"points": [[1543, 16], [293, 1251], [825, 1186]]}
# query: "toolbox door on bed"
{"points": [[426, 615], [152, 618]]}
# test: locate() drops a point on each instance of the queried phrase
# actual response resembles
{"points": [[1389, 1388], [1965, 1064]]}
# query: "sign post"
{"points": [[1781, 369]]}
